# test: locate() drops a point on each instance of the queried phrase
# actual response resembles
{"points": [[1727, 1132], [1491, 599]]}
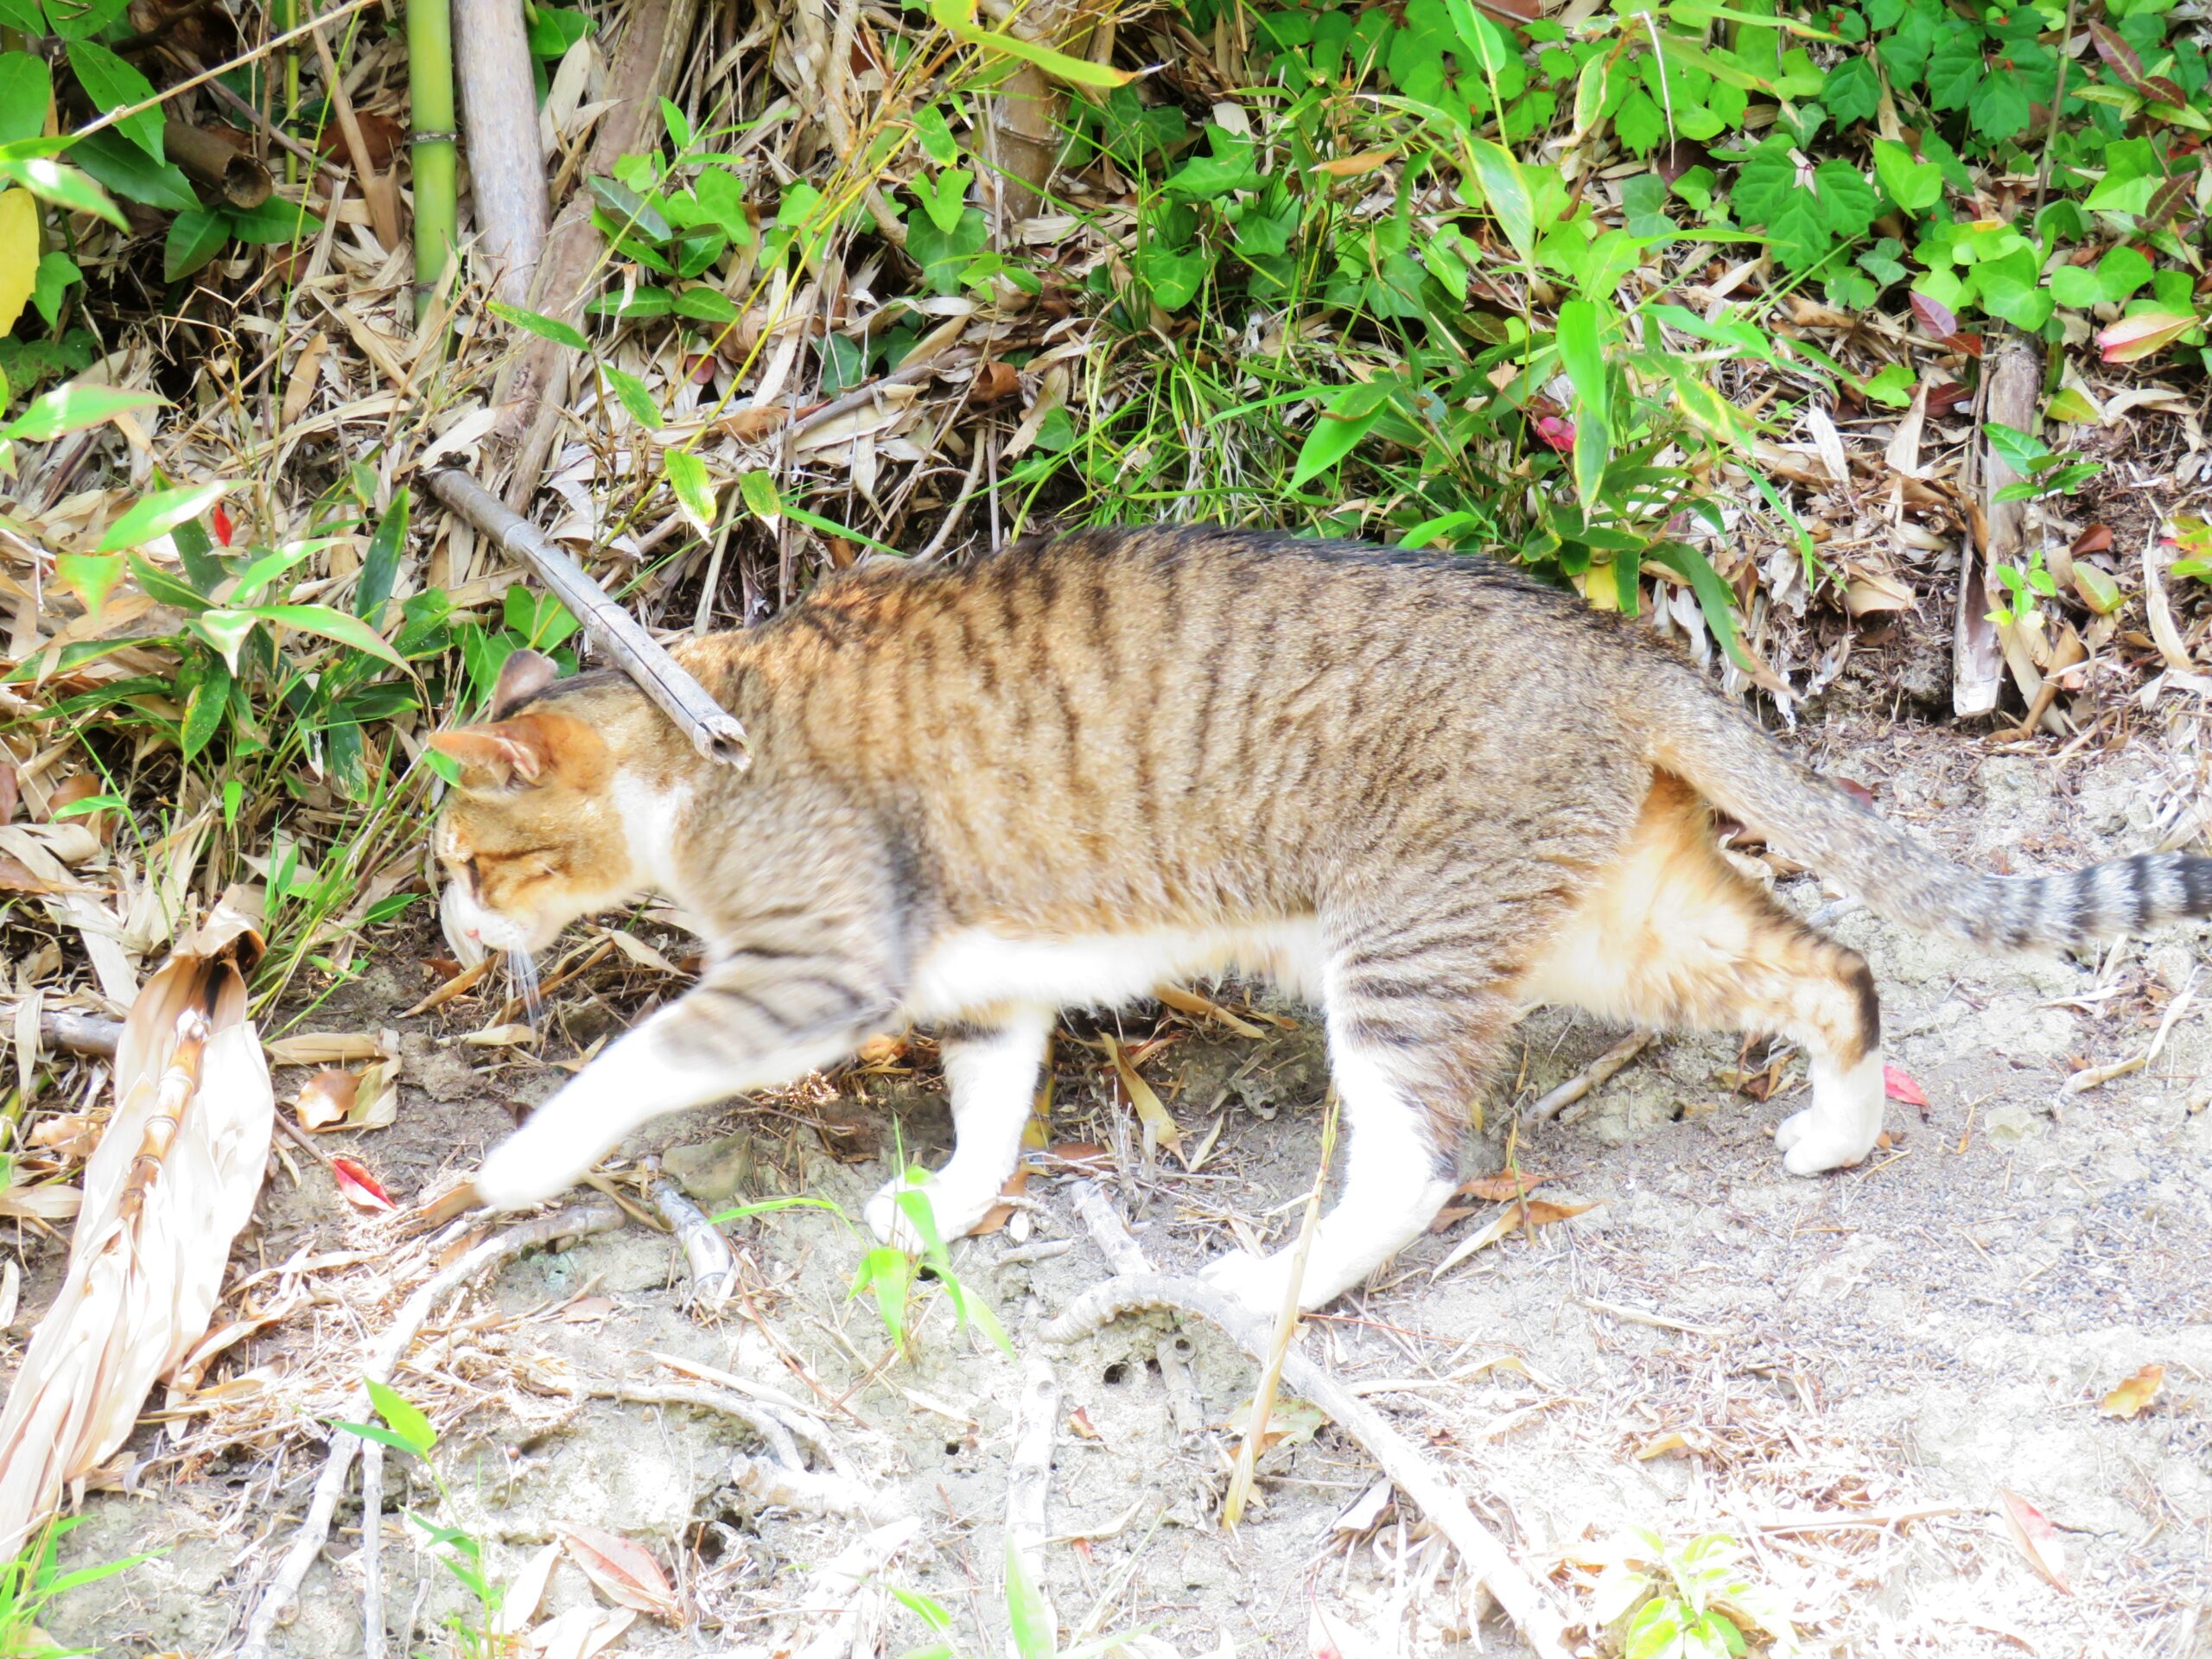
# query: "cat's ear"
{"points": [[524, 752], [522, 676]]}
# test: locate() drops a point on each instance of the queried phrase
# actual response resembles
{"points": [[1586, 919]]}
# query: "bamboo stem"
{"points": [[714, 731], [429, 95], [507, 164]]}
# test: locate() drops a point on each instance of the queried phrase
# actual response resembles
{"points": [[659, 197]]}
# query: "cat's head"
{"points": [[531, 837]]}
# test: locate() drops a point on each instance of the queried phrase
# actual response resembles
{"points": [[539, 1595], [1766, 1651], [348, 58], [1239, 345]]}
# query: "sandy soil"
{"points": [[1846, 1374]]}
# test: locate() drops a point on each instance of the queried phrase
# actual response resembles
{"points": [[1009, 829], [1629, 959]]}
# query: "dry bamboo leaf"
{"points": [[52, 1201], [2136, 1393], [581, 1632], [325, 1048], [518, 1606], [625, 1574], [1192, 1003], [173, 1180], [516, 1035], [1530, 1213], [1160, 1129], [299, 389]]}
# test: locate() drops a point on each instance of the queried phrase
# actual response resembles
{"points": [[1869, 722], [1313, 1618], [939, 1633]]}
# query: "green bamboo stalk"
{"points": [[429, 92]]}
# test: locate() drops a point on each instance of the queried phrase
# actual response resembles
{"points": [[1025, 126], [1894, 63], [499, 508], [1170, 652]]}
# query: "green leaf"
{"points": [[757, 490], [159, 513], [71, 189], [56, 271], [1028, 1614], [90, 576], [2006, 295], [631, 393], [946, 198], [380, 567], [1892, 386], [629, 210], [384, 1437], [2121, 272], [1505, 187], [26, 15], [195, 237], [1639, 123], [1714, 597], [936, 134], [1582, 353], [1955, 65], [2075, 286], [26, 88], [80, 19], [1915, 185], [695, 491], [545, 327], [2016, 449], [1999, 106], [1350, 413], [401, 1416], [204, 708], [1848, 203], [702, 303], [1853, 90], [275, 222], [943, 257], [330, 624], [112, 83], [957, 17], [554, 29], [72, 408]]}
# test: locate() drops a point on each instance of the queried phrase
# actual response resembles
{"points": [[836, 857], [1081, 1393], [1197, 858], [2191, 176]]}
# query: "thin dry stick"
{"points": [[597, 1216], [1523, 1600], [705, 1252], [714, 731], [1591, 1075], [376, 188], [1263, 1397], [371, 1549], [1029, 1483]]}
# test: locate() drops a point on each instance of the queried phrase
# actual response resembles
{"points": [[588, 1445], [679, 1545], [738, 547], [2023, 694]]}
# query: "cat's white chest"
{"points": [[972, 969]]}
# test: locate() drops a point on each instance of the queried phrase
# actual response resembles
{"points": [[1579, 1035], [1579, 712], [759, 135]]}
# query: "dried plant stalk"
{"points": [[173, 1180]]}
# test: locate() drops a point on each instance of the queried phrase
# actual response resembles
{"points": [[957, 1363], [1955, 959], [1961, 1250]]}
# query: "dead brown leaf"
{"points": [[625, 1574], [325, 1098]]}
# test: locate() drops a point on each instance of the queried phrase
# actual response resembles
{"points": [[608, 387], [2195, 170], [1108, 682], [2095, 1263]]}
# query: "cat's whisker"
{"points": [[522, 972]]}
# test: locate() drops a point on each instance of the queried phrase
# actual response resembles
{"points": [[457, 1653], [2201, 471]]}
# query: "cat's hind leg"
{"points": [[990, 1070], [1673, 937]]}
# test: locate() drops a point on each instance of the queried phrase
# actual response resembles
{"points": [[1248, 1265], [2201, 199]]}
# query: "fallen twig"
{"points": [[705, 1252], [714, 731], [1029, 1482], [1523, 1600], [373, 1642], [811, 1491], [2096, 1076], [81, 1033], [1591, 1075], [775, 1433], [596, 1217]]}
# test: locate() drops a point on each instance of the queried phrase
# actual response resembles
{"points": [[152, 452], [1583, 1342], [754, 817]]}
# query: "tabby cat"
{"points": [[1423, 792]]}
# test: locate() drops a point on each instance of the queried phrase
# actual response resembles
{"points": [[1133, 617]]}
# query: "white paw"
{"points": [[1257, 1282], [953, 1207], [524, 1169], [1809, 1147]]}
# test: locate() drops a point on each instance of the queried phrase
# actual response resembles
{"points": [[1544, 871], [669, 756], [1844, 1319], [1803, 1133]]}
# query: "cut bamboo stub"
{"points": [[714, 731], [218, 163]]}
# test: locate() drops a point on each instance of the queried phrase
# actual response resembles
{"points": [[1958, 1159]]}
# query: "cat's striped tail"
{"points": [[1723, 754]]}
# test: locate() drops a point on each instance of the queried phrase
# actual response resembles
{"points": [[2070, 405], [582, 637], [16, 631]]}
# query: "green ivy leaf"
{"points": [[1639, 123], [1847, 202], [56, 271], [946, 198], [2076, 287], [112, 83], [1999, 106], [2121, 272], [1854, 91], [943, 255], [1915, 185], [1954, 66]]}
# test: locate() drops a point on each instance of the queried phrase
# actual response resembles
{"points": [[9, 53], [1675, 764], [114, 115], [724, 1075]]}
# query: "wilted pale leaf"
{"points": [[19, 254], [2131, 1397], [2142, 335], [1159, 1129], [2037, 1539]]}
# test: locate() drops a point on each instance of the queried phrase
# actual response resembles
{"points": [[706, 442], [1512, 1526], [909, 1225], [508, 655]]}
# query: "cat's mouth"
{"points": [[472, 932]]}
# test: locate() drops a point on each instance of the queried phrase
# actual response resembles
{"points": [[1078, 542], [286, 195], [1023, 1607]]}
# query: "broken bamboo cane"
{"points": [[506, 163], [714, 731]]}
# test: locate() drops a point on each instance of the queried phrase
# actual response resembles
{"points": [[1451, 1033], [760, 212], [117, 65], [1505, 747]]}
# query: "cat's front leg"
{"points": [[990, 1070], [740, 1027]]}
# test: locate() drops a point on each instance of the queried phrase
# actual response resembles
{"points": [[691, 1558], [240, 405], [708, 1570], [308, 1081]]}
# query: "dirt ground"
{"points": [[1847, 1374]]}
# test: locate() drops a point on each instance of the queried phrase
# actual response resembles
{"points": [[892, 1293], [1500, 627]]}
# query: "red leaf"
{"points": [[221, 523], [1857, 790], [363, 1189], [2097, 538], [1556, 432], [2119, 53], [1935, 317], [1899, 1086], [2143, 335]]}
